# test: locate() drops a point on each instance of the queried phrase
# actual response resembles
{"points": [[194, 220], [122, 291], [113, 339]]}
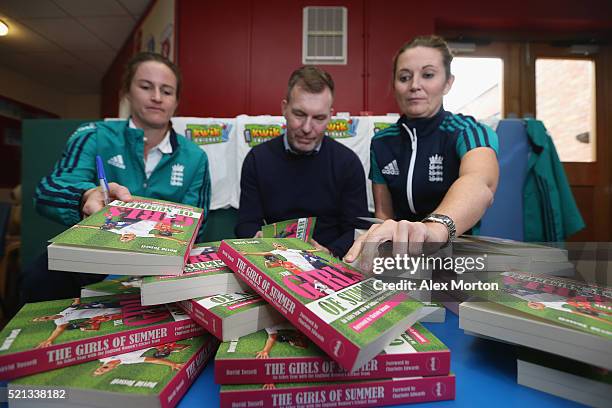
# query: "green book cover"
{"points": [[580, 306], [291, 343], [113, 286], [154, 371], [204, 252], [345, 312], [300, 228], [231, 315], [281, 353], [141, 225], [202, 261], [48, 335], [230, 304]]}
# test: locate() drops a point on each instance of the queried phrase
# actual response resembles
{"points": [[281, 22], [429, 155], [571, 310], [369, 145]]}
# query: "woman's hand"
{"points": [[407, 237], [93, 199]]}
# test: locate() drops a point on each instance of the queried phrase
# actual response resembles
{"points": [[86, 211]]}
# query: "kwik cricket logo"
{"points": [[342, 128], [378, 126], [209, 134], [258, 134]]}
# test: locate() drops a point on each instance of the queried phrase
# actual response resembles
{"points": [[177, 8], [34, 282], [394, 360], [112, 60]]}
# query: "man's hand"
{"points": [[258, 234], [93, 199]]}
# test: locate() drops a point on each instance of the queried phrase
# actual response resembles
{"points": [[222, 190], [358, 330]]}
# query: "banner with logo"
{"points": [[217, 137]]}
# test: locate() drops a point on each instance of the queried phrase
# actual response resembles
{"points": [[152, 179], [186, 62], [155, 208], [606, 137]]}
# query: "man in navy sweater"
{"points": [[305, 173]]}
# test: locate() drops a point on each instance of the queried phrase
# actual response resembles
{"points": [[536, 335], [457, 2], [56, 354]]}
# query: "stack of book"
{"points": [[501, 255], [114, 346], [341, 328], [487, 257], [108, 349], [563, 377], [142, 337], [571, 320], [280, 366], [140, 237], [204, 274]]}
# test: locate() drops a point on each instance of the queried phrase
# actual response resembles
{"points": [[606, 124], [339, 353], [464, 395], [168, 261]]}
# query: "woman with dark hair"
{"points": [[434, 173], [142, 156]]}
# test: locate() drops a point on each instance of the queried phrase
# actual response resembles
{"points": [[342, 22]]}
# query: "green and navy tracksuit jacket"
{"points": [[181, 176], [419, 159]]}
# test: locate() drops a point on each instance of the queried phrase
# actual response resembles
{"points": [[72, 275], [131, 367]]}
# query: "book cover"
{"points": [[502, 246], [157, 376], [300, 228], [114, 285], [501, 323], [204, 275], [283, 354], [373, 393], [563, 377], [48, 335], [500, 255], [577, 305], [148, 236], [348, 315], [231, 315]]}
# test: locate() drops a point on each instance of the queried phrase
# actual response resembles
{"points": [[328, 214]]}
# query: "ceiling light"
{"points": [[3, 28]]}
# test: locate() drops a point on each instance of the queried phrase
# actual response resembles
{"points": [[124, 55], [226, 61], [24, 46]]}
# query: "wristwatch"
{"points": [[446, 221]]}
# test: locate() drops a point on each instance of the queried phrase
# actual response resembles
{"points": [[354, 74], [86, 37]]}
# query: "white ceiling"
{"points": [[66, 44]]}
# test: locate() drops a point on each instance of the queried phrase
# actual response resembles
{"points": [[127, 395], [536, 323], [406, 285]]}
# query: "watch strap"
{"points": [[446, 221]]}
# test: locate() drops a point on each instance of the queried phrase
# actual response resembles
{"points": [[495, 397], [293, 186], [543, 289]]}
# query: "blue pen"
{"points": [[102, 178]]}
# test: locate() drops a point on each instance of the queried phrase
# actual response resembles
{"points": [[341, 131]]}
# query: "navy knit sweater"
{"points": [[277, 185]]}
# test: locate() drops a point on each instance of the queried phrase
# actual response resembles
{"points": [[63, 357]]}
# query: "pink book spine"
{"points": [[202, 316], [309, 231], [303, 369], [178, 386], [191, 242], [76, 352], [334, 343], [370, 394]]}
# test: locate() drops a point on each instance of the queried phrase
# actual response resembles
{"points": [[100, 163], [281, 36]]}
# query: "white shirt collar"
{"points": [[164, 146]]}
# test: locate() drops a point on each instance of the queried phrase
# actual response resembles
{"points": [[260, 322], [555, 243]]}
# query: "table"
{"points": [[485, 372]]}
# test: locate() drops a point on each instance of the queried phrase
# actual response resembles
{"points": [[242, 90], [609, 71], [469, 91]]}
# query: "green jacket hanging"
{"points": [[550, 212]]}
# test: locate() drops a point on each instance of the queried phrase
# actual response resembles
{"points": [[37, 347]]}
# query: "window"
{"points": [[565, 102], [478, 89], [324, 39]]}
